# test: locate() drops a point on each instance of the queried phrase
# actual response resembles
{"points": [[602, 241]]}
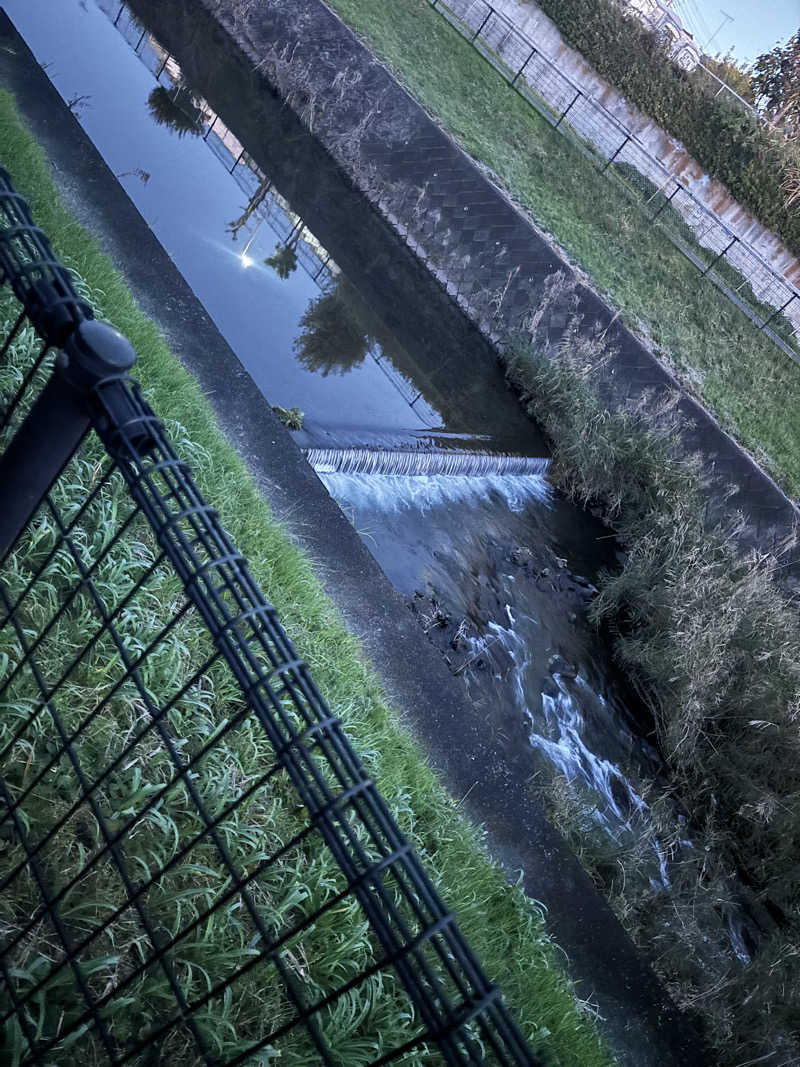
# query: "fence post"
{"points": [[777, 311], [563, 115], [322, 267], [660, 189], [667, 201], [480, 31], [611, 160], [524, 65], [58, 422], [717, 258]]}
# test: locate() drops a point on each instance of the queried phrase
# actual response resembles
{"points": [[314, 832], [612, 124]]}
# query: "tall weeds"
{"points": [[713, 646]]}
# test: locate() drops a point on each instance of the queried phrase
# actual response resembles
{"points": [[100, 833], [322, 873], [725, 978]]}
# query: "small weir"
{"points": [[387, 480], [420, 462]]}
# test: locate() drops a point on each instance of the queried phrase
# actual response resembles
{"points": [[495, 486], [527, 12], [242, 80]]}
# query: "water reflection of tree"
{"points": [[177, 109], [255, 202], [340, 328], [334, 339], [284, 259]]}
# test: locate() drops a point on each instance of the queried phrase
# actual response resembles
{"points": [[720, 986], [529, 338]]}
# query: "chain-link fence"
{"points": [[195, 866], [725, 259]]}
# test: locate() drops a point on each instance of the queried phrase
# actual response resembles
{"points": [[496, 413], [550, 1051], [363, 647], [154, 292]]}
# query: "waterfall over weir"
{"points": [[420, 462], [391, 482]]}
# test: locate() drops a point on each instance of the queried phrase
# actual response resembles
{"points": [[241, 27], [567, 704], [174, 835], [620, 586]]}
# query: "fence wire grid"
{"points": [[195, 867]]}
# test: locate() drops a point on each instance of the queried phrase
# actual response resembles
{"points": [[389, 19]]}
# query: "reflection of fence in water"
{"points": [[195, 865]]}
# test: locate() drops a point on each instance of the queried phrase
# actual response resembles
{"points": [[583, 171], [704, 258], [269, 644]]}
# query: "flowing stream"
{"points": [[499, 584]]}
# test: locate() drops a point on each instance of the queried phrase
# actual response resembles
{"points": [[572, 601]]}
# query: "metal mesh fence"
{"points": [[195, 866], [219, 146], [727, 260]]}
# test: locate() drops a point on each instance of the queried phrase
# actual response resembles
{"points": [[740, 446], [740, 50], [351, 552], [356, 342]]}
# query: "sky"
{"points": [[757, 25]]}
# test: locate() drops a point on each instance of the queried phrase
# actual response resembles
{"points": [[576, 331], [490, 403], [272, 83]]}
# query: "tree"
{"points": [[738, 78], [333, 339], [177, 109], [776, 81]]}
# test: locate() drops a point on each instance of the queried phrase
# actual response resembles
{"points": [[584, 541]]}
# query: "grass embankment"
{"points": [[751, 386], [506, 928], [715, 650]]}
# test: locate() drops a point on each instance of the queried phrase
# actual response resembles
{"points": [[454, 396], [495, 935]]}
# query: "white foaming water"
{"points": [[560, 739], [421, 462], [402, 492], [569, 753]]}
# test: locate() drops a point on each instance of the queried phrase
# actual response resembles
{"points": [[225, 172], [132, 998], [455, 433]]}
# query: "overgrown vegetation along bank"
{"points": [[714, 648], [506, 929], [752, 387], [730, 143]]}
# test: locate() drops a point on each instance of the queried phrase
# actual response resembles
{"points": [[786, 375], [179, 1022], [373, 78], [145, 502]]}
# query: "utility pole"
{"points": [[725, 19]]}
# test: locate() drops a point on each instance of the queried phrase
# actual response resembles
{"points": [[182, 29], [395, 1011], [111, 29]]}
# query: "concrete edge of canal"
{"points": [[639, 1021]]}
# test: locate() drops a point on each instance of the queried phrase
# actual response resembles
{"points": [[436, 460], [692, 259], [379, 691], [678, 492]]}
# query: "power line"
{"points": [[699, 25], [687, 16]]}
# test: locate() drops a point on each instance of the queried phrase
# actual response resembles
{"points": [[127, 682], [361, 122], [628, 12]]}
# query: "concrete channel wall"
{"points": [[484, 251]]}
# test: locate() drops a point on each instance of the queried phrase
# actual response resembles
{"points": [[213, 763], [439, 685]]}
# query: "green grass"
{"points": [[505, 927], [752, 387]]}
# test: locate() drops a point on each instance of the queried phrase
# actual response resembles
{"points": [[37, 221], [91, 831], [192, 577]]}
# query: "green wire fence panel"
{"points": [[195, 866]]}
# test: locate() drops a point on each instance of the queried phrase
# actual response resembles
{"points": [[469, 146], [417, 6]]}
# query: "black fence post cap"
{"points": [[95, 350]]}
